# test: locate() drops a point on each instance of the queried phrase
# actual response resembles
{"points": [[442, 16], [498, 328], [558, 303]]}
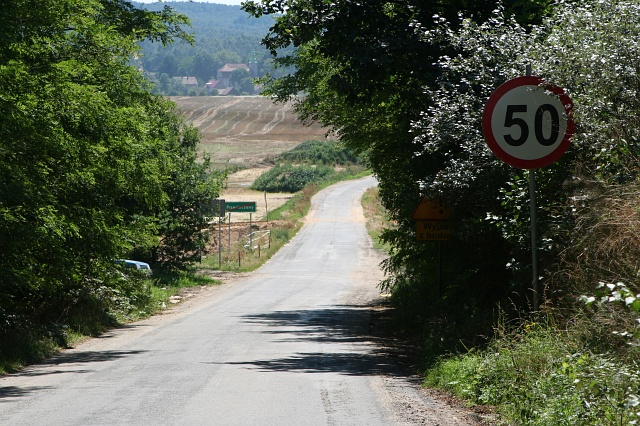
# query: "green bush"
{"points": [[289, 178], [320, 152]]}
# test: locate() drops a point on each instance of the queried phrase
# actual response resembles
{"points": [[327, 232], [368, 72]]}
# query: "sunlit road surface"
{"points": [[286, 346]]}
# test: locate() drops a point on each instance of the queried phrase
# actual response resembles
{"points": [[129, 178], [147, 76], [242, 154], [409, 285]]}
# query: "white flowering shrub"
{"points": [[592, 50]]}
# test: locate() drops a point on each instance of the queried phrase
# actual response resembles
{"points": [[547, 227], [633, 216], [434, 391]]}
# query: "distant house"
{"points": [[222, 83], [224, 74], [212, 84], [229, 91], [189, 82]]}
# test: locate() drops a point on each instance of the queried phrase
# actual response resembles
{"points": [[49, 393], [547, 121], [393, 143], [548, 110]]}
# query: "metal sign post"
{"points": [[534, 238], [534, 230], [242, 207], [219, 243]]}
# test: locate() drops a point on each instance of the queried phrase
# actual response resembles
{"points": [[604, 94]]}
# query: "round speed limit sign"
{"points": [[527, 124]]}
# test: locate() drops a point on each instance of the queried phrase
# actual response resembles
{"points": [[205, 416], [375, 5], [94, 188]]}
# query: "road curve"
{"points": [[286, 346]]}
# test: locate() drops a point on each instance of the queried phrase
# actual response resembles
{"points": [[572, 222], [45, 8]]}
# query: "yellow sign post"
{"points": [[431, 209], [431, 225]]}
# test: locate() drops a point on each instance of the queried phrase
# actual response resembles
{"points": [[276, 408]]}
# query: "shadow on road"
{"points": [[68, 358], [355, 339], [15, 392], [351, 364], [62, 360], [341, 324], [81, 357]]}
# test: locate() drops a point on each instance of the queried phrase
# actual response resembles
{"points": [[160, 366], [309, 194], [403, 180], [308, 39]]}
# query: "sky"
{"points": [[233, 2]]}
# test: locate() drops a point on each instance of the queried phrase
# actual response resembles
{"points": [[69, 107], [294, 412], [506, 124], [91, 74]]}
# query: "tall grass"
{"points": [[377, 218], [538, 376]]}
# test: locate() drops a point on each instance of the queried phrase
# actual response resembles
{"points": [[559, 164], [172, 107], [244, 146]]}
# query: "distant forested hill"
{"points": [[224, 34]]}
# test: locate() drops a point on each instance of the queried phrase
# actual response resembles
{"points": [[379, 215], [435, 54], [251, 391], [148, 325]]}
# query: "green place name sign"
{"points": [[241, 206]]}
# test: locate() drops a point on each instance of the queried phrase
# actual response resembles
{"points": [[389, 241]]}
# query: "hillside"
{"points": [[245, 129], [223, 34]]}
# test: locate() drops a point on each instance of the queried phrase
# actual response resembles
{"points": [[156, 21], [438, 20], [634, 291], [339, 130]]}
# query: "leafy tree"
{"points": [[91, 164], [238, 75], [204, 66], [182, 226]]}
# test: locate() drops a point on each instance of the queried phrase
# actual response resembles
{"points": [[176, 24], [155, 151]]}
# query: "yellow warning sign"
{"points": [[431, 209], [432, 230]]}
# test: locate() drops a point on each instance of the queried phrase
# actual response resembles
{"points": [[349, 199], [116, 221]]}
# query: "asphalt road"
{"points": [[287, 345]]}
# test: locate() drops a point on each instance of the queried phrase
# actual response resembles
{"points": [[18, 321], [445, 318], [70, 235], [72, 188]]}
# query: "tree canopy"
{"points": [[92, 167]]}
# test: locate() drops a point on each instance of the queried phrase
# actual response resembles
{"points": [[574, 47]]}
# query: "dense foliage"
{"points": [[331, 153], [588, 205], [92, 167], [540, 379]]}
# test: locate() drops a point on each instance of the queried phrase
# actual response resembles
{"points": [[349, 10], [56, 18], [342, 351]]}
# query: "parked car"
{"points": [[135, 264]]}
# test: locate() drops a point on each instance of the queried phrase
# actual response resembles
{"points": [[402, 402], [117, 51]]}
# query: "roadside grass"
{"points": [[540, 375], [24, 350], [377, 219], [169, 285]]}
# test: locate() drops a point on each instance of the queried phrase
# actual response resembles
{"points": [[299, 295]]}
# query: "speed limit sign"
{"points": [[528, 124]]}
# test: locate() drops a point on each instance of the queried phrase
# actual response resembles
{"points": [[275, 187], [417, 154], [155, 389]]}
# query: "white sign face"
{"points": [[526, 124]]}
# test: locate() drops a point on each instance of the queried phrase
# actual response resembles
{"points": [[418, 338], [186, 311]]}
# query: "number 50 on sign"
{"points": [[528, 124]]}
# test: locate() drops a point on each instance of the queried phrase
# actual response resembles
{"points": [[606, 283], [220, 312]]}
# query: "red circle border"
{"points": [[491, 140]]}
